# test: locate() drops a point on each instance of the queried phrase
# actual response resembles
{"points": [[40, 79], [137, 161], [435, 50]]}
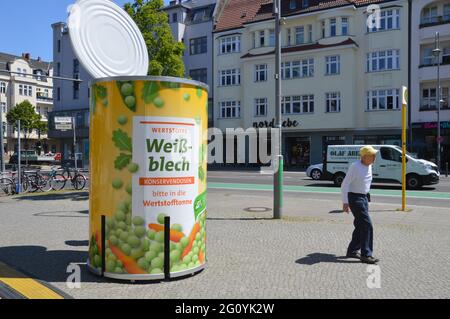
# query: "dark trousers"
{"points": [[362, 238]]}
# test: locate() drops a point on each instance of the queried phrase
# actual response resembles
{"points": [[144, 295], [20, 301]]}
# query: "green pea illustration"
{"points": [[159, 237], [186, 97], [177, 227], [159, 102], [138, 221], [150, 255], [156, 271], [161, 218], [143, 263], [117, 183], [157, 263], [134, 241], [139, 231], [133, 167], [130, 101], [184, 242], [122, 120], [127, 89], [129, 189]]}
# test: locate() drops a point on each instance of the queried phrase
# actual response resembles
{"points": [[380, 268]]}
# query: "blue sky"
{"points": [[25, 25]]}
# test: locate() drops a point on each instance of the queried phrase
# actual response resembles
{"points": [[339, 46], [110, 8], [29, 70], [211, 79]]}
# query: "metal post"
{"points": [[404, 113], [278, 175], [19, 160], [75, 141], [2, 149], [167, 248], [437, 54]]}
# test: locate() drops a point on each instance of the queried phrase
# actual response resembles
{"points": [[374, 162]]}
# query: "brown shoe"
{"points": [[369, 260]]}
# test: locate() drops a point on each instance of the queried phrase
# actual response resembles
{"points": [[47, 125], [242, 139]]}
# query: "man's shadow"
{"points": [[317, 258]]}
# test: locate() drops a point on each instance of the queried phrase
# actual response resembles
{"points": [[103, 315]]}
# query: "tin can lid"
{"points": [[106, 40]]}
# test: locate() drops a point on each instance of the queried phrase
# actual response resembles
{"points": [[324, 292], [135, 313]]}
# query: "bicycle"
{"points": [[7, 185], [56, 181], [78, 180]]}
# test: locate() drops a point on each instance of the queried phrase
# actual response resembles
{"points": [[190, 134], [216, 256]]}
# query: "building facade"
{"points": [[71, 98], [23, 78], [192, 23], [341, 77], [429, 17]]}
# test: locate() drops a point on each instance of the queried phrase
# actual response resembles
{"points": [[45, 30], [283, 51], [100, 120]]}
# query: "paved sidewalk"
{"points": [[249, 255]]}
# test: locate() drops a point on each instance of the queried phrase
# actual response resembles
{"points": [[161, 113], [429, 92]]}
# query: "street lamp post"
{"points": [[437, 54], [278, 175]]}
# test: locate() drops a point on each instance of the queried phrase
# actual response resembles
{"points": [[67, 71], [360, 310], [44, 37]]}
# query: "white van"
{"points": [[387, 167]]}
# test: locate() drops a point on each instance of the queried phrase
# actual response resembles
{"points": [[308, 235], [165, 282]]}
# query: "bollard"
{"points": [[446, 169], [103, 240], [167, 248]]}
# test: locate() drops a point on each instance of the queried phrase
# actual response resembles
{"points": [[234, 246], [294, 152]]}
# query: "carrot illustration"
{"points": [[175, 235], [194, 232], [201, 256], [129, 263], [98, 241]]}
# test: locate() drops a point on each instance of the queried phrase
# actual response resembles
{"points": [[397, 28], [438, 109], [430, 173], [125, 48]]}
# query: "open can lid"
{"points": [[106, 40]]}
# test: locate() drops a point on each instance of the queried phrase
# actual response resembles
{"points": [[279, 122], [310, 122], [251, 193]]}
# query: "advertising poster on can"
{"points": [[148, 161]]}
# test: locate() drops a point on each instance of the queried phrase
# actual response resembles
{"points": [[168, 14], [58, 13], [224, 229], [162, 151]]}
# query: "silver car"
{"points": [[315, 171]]}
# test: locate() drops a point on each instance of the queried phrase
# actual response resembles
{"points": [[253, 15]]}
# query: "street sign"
{"points": [[63, 127], [63, 120]]}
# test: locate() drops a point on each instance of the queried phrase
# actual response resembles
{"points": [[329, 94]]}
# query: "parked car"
{"points": [[32, 157], [315, 171], [386, 169]]}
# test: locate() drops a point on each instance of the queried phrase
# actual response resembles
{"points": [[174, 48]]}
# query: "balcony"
{"points": [[432, 21], [43, 98]]}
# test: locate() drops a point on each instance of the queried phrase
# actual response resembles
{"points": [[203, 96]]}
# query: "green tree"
{"points": [[165, 53], [29, 119]]}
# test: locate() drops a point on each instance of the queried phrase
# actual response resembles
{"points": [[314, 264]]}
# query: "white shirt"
{"points": [[357, 180]]}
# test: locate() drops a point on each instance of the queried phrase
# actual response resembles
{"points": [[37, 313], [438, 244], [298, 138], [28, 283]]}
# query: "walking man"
{"points": [[355, 196]]}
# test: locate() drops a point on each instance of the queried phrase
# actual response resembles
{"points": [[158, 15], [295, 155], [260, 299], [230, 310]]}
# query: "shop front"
{"points": [[425, 141]]}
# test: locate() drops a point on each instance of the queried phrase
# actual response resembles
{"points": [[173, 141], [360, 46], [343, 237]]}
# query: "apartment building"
{"points": [[192, 23], [429, 17], [29, 81], [71, 98], [341, 77]]}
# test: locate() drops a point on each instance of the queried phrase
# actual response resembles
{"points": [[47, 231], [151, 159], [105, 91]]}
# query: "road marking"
{"points": [[328, 190], [23, 286]]}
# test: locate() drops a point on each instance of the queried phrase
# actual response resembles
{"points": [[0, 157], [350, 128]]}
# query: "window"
{"points": [[298, 104], [59, 46], [333, 65], [2, 88], [21, 89], [261, 106], [305, 3], [297, 69], [292, 4], [260, 72], [333, 102], [3, 106], [310, 37], [199, 75], [230, 109], [344, 26], [299, 35], [262, 38], [230, 45], [76, 69], [428, 99], [332, 27], [199, 15], [289, 37], [429, 15], [383, 60], [381, 100], [58, 94], [198, 45], [322, 26], [58, 69], [428, 57], [174, 17], [272, 38], [230, 77], [76, 90], [390, 154], [389, 20]]}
